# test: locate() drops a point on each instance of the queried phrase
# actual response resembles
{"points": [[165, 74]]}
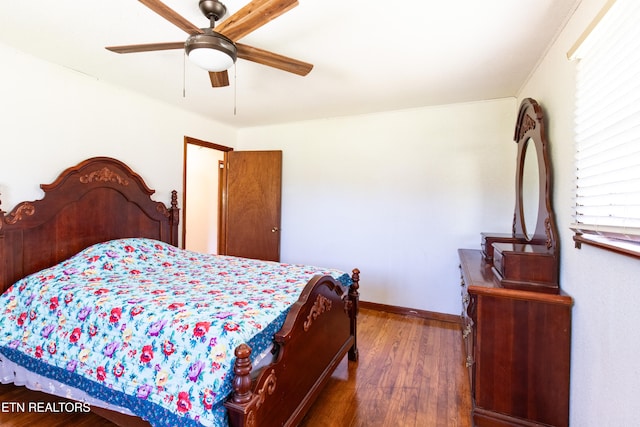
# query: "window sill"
{"points": [[619, 246]]}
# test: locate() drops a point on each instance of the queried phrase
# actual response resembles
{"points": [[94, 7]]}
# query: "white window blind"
{"points": [[607, 197]]}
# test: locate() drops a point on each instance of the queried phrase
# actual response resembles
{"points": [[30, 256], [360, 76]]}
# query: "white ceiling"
{"points": [[368, 55]]}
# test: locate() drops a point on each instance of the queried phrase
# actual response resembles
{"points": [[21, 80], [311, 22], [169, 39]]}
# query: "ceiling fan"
{"points": [[216, 50]]}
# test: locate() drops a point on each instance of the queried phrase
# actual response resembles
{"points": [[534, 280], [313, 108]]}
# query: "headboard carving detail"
{"points": [[25, 208], [105, 174]]}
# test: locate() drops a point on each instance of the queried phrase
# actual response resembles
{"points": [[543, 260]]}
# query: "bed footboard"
{"points": [[319, 331]]}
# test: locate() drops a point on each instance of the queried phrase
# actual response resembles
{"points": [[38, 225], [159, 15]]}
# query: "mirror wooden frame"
{"points": [[530, 128], [521, 260]]}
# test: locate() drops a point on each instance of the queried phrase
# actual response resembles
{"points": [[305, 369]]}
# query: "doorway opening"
{"points": [[201, 194]]}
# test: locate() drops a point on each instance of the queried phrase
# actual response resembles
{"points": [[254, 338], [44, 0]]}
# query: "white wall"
{"points": [[605, 374], [395, 194], [52, 118]]}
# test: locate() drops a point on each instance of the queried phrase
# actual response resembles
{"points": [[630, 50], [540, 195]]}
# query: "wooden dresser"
{"points": [[516, 318], [518, 347]]}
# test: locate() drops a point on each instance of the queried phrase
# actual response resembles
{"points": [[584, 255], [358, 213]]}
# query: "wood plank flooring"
{"points": [[411, 373]]}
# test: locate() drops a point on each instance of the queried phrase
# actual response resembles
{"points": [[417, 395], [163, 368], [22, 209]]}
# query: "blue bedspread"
{"points": [[146, 326]]}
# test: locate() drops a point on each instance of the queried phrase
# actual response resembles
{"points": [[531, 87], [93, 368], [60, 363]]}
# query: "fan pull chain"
{"points": [[235, 90], [184, 72]]}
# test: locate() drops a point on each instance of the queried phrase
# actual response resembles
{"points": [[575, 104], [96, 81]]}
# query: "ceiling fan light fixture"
{"points": [[211, 51]]}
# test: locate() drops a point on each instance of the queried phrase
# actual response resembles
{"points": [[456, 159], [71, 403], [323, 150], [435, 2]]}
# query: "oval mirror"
{"points": [[530, 189]]}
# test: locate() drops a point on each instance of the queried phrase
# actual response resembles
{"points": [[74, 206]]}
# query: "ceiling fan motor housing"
{"points": [[212, 9]]}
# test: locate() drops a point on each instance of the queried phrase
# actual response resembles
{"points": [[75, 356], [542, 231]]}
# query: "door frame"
{"points": [[210, 145]]}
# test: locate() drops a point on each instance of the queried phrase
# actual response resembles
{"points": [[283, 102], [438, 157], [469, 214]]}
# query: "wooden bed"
{"points": [[102, 199]]}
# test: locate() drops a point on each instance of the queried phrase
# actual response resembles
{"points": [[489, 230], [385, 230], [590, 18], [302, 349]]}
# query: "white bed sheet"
{"points": [[16, 374]]}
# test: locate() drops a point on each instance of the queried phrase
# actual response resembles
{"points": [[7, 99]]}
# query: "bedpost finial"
{"points": [[242, 379], [174, 218], [243, 351], [174, 199], [355, 278]]}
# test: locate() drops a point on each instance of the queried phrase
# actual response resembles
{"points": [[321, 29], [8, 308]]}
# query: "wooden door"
{"points": [[250, 205]]}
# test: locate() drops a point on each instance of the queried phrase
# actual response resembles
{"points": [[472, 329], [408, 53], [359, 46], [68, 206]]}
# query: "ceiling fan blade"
{"points": [[253, 16], [172, 16], [149, 47], [271, 59], [219, 79]]}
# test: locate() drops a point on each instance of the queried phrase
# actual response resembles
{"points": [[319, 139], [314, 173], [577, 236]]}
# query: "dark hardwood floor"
{"points": [[411, 373]]}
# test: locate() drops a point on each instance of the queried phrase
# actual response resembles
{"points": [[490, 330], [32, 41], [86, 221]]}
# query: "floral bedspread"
{"points": [[146, 326]]}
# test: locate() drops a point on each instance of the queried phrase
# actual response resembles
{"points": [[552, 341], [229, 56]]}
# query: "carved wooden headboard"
{"points": [[97, 200]]}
